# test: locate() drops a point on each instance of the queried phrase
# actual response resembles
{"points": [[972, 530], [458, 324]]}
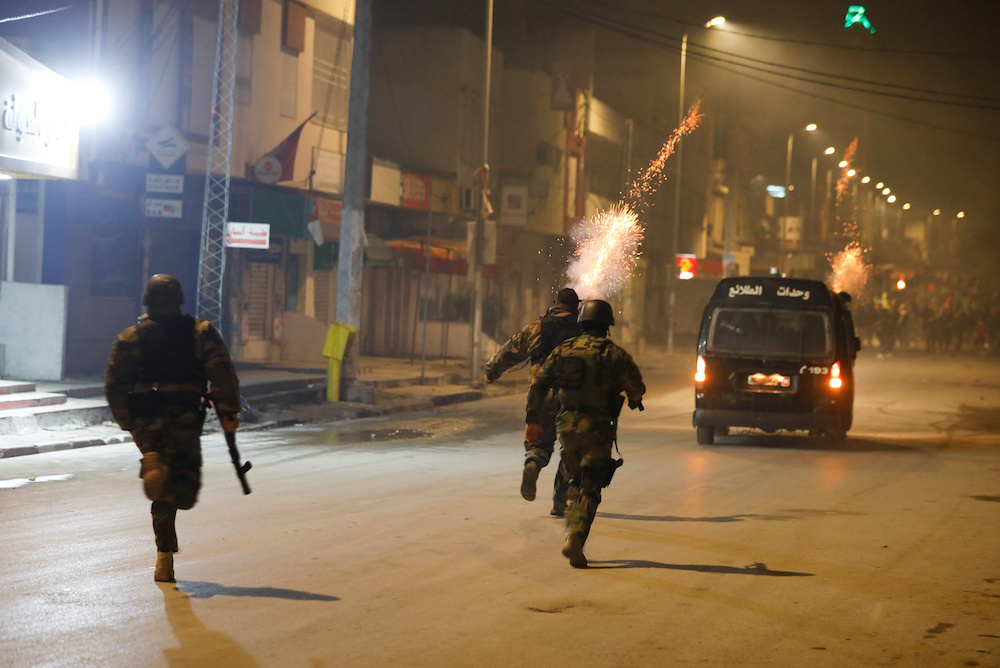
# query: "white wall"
{"points": [[33, 330]]}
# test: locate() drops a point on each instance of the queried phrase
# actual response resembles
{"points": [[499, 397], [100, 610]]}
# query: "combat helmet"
{"points": [[597, 311], [163, 291]]}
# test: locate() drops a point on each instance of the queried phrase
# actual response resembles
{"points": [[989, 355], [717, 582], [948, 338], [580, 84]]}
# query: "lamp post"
{"points": [[475, 347], [672, 269], [816, 226], [788, 189]]}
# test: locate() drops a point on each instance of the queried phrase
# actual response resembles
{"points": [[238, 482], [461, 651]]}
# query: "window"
{"points": [[332, 53], [771, 332], [293, 35]]}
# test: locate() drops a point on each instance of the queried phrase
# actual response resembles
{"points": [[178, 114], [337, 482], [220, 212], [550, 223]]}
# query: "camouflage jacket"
{"points": [[617, 373], [125, 377], [524, 345]]}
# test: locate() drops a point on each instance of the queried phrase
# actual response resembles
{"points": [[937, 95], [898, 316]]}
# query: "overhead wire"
{"points": [[659, 38], [791, 40], [693, 49]]}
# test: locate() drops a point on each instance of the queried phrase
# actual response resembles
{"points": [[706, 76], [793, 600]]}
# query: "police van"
{"points": [[775, 354]]}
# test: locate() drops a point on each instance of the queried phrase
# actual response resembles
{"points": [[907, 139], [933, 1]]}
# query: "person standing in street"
{"points": [[590, 372], [535, 341], [157, 382]]}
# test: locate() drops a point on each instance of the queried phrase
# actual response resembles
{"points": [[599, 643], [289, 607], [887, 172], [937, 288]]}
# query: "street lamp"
{"points": [[672, 273]]}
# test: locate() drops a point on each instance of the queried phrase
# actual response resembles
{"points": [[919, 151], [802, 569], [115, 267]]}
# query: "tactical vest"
{"points": [[584, 380], [169, 359], [554, 330]]}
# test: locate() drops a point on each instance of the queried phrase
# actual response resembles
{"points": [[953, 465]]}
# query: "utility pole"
{"points": [[350, 260], [480, 242], [212, 265]]}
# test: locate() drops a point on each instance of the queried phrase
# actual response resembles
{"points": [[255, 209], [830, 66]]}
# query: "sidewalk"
{"points": [[278, 395]]}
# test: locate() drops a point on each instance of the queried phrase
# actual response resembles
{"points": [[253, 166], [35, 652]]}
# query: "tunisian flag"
{"points": [[278, 164]]}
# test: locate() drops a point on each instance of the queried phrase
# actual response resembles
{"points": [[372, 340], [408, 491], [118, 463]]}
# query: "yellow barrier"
{"points": [[338, 340]]}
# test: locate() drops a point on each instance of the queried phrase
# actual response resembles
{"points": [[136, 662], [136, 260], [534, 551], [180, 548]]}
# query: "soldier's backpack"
{"points": [[554, 330]]}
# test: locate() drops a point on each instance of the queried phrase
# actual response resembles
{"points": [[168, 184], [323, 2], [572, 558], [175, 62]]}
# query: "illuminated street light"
{"points": [[885, 191], [92, 100], [851, 173], [879, 185], [866, 179], [906, 206], [842, 164], [961, 214], [937, 212], [830, 150], [892, 198], [717, 21]]}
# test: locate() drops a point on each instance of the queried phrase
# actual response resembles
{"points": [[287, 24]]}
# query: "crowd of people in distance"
{"points": [[946, 315]]}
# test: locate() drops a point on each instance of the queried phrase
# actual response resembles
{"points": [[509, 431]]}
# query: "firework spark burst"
{"points": [[607, 245], [848, 270], [607, 249]]}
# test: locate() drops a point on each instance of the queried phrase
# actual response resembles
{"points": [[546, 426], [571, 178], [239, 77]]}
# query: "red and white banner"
{"points": [[248, 235]]}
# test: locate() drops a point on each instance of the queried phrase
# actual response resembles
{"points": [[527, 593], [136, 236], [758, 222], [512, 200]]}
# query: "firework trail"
{"points": [[844, 179], [848, 270], [645, 184], [607, 245]]}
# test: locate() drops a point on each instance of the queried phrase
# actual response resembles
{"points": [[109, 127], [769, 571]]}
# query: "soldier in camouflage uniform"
{"points": [[535, 341], [156, 383], [589, 372]]}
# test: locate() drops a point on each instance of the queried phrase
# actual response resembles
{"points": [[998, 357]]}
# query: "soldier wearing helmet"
{"points": [[156, 382], [534, 342], [589, 372]]}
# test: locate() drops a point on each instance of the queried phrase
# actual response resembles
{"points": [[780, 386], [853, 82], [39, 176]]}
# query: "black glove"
{"points": [[636, 403]]}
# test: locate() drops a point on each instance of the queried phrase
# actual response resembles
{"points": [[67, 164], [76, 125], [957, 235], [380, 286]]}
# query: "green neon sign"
{"points": [[856, 14]]}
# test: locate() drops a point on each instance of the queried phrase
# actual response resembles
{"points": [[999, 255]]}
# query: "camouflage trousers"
{"points": [[177, 437], [541, 453], [586, 464]]}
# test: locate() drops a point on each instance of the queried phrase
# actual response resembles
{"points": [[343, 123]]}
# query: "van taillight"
{"points": [[699, 370], [835, 380]]}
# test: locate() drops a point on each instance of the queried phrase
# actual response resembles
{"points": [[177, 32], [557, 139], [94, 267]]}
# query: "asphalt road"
{"points": [[403, 541]]}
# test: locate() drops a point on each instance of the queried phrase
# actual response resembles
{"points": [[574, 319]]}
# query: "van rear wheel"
{"points": [[705, 434]]}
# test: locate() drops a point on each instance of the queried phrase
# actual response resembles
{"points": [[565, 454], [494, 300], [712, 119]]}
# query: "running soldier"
{"points": [[589, 372], [535, 341], [156, 383]]}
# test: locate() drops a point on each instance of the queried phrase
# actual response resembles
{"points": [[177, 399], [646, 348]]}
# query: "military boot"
{"points": [[528, 480], [154, 475], [558, 508], [573, 550], [164, 567]]}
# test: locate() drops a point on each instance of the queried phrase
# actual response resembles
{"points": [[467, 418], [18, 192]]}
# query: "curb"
{"points": [[353, 412]]}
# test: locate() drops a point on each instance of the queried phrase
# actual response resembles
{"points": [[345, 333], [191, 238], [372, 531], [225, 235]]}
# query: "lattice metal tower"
{"points": [[212, 265]]}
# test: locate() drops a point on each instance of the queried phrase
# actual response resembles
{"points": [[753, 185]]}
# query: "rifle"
{"points": [[234, 454]]}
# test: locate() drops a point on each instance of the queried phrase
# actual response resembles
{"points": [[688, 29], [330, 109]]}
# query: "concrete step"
{"points": [[15, 387], [30, 400]]}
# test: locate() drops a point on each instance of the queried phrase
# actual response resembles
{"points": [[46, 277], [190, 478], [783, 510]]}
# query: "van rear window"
{"points": [[757, 332]]}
